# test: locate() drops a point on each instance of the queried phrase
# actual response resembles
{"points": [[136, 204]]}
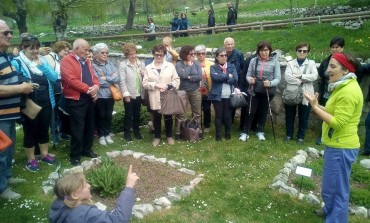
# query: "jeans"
{"points": [[303, 114], [6, 156], [132, 115], [222, 116], [367, 134], [335, 183], [104, 109], [81, 114], [195, 100], [206, 108]]}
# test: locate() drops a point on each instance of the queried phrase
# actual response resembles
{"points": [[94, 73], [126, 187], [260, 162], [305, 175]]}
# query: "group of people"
{"points": [[68, 81]]}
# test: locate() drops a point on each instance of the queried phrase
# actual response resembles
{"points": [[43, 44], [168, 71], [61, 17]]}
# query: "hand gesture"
{"points": [[313, 99], [131, 178], [127, 99], [252, 80]]}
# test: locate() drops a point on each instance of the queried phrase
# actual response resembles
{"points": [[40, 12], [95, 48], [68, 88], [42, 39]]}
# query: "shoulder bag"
{"points": [[5, 141], [115, 92], [238, 99], [173, 102], [293, 94], [32, 109]]}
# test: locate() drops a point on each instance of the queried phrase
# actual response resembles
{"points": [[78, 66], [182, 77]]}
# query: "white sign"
{"points": [[303, 171]]}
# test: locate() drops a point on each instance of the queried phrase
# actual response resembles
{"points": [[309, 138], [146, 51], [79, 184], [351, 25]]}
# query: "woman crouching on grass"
{"points": [[74, 204]]}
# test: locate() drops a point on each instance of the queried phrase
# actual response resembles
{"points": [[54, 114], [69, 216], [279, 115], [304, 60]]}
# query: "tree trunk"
{"points": [[21, 16], [131, 15], [211, 5], [236, 5]]}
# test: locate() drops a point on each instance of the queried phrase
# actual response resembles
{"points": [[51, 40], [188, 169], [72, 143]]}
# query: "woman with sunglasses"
{"points": [[264, 75], [107, 74], [33, 66], [299, 72], [224, 77], [160, 76], [190, 73]]}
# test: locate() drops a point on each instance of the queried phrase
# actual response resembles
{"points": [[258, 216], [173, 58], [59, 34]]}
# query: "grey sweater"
{"points": [[185, 71], [60, 213]]}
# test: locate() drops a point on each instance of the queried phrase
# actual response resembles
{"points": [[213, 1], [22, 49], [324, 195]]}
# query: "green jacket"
{"points": [[345, 104]]}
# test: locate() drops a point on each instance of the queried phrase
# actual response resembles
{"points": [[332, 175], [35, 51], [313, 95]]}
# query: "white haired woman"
{"points": [[107, 74]]}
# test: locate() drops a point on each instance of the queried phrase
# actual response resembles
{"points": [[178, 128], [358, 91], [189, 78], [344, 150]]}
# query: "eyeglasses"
{"points": [[191, 54], [302, 51], [7, 32], [103, 52], [158, 55], [201, 54], [222, 55]]}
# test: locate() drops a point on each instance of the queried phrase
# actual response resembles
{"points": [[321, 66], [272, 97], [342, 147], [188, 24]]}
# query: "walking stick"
{"points": [[272, 122], [250, 99]]}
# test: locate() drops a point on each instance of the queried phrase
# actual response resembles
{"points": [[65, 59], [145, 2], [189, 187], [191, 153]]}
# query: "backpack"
{"points": [[293, 94]]}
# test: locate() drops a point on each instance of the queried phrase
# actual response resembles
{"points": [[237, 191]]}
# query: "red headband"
{"points": [[343, 60]]}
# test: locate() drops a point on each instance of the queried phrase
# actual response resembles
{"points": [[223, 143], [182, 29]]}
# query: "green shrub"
{"points": [[117, 119], [360, 196], [359, 3], [360, 174], [108, 179], [307, 184]]}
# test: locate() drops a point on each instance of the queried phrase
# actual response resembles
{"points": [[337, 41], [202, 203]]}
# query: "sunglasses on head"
{"points": [[7, 32], [29, 38]]}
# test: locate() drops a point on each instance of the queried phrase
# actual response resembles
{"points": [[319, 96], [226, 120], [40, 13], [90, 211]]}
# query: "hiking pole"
{"points": [[250, 99], [272, 122]]}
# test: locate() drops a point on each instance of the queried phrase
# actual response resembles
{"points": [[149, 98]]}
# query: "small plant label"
{"points": [[303, 171]]}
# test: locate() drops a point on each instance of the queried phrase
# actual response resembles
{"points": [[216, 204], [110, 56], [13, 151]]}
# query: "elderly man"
{"points": [[80, 87], [235, 57], [11, 88]]}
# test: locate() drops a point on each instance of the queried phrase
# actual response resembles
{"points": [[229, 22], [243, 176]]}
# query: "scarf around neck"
{"points": [[30, 64], [334, 85]]}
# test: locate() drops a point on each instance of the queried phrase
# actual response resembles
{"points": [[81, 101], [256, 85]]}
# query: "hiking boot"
{"points": [[32, 166], [109, 139], [102, 141], [261, 136], [9, 194], [49, 160], [243, 137], [156, 142], [13, 180], [170, 141]]}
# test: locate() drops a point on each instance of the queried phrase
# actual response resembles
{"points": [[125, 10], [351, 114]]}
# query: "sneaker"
{"points": [[170, 141], [156, 142], [32, 166], [102, 141], [300, 141], [207, 130], [108, 139], [13, 180], [9, 194], [49, 160], [243, 137], [261, 136], [288, 138]]}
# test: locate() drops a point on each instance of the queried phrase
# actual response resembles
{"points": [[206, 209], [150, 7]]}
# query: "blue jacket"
{"points": [[175, 23], [237, 58], [219, 78]]}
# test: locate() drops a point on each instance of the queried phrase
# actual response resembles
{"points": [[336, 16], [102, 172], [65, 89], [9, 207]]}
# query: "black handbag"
{"points": [[238, 100], [190, 129]]}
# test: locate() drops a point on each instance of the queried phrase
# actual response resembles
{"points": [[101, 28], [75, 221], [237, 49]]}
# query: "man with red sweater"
{"points": [[80, 87]]}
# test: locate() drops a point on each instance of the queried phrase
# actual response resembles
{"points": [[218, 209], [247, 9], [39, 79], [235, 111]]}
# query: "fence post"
{"points": [[319, 19], [261, 26]]}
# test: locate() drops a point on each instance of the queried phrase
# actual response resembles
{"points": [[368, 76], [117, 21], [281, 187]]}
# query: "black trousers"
{"points": [[81, 115], [157, 121], [222, 116], [132, 115], [259, 112], [206, 108], [104, 109]]}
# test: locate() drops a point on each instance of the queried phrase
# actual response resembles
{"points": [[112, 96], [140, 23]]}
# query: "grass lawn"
{"points": [[234, 189]]}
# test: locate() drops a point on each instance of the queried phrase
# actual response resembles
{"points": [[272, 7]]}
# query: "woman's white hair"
{"points": [[200, 48], [99, 47]]}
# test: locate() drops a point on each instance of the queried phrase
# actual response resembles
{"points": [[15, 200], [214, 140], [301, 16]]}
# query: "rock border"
{"points": [[139, 210], [280, 181]]}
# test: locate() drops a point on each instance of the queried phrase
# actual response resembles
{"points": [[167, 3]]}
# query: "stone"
{"points": [[358, 211], [312, 199], [113, 154], [313, 153], [127, 152], [288, 190], [76, 169], [365, 163], [186, 190], [53, 176], [276, 185], [86, 165], [289, 166], [163, 201], [161, 160], [174, 164], [281, 177], [303, 153], [173, 196], [285, 171], [196, 181], [141, 210], [187, 171], [137, 155], [48, 189], [148, 158]]}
